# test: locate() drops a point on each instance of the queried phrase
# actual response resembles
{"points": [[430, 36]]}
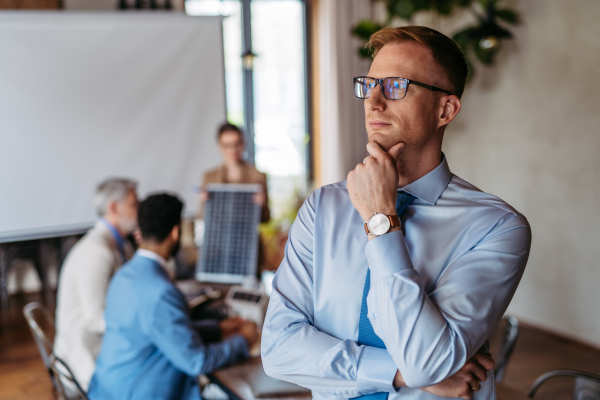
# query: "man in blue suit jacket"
{"points": [[150, 349]]}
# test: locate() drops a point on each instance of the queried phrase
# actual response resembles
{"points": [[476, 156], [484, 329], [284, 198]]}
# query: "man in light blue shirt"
{"points": [[150, 349], [393, 280]]}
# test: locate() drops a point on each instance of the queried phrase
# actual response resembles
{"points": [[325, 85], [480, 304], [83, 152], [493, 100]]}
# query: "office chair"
{"points": [[587, 386], [42, 328], [67, 386], [41, 325], [509, 339]]}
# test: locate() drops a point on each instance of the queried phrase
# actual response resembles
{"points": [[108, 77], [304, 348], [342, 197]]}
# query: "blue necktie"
{"points": [[366, 335]]}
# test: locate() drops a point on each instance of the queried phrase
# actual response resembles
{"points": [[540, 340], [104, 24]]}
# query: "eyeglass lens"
{"points": [[393, 88]]}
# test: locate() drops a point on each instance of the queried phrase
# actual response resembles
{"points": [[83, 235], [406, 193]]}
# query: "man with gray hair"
{"points": [[86, 273]]}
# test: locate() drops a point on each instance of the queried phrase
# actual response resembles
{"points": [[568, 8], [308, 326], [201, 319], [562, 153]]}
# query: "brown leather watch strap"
{"points": [[394, 221]]}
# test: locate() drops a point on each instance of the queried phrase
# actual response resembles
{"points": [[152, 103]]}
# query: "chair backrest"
{"points": [[586, 389], [41, 325], [67, 386], [509, 339], [587, 385]]}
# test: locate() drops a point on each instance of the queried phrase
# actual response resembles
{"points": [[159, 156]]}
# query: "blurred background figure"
{"points": [[151, 347], [232, 146], [86, 273]]}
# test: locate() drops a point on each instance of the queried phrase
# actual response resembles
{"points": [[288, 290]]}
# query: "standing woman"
{"points": [[230, 140]]}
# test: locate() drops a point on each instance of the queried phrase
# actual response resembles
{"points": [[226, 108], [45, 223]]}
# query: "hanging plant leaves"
{"points": [[482, 40], [463, 38], [508, 16], [485, 56], [366, 28], [403, 9]]}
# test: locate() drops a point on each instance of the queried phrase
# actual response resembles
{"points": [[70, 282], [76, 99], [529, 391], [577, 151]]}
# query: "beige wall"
{"points": [[529, 132]]}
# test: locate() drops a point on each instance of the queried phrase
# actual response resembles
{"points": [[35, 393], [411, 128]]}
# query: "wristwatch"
{"points": [[379, 224]]}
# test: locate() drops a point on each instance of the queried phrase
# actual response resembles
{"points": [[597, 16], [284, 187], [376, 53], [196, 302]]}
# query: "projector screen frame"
{"points": [[68, 229]]}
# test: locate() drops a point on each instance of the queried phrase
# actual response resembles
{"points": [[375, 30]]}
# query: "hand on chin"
{"points": [[373, 184]]}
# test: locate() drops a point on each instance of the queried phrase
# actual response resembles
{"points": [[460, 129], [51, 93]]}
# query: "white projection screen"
{"points": [[86, 96]]}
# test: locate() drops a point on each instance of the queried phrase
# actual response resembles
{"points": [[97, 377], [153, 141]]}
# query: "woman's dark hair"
{"points": [[227, 127], [157, 215]]}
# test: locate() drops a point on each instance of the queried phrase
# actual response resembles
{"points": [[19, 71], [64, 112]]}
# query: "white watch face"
{"points": [[379, 224]]}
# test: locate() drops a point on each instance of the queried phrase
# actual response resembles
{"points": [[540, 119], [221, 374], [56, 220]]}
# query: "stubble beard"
{"points": [[386, 141]]}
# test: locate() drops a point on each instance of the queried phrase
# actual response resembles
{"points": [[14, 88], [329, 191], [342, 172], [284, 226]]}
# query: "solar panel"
{"points": [[230, 248]]}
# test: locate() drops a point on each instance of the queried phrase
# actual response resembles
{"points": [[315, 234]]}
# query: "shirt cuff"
{"points": [[376, 371], [239, 346], [387, 254]]}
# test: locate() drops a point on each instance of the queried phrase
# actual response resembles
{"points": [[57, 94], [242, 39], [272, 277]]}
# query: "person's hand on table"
{"points": [[230, 326], [466, 381], [250, 332]]}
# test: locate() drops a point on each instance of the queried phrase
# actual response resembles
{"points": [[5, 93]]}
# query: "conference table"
{"points": [[234, 381]]}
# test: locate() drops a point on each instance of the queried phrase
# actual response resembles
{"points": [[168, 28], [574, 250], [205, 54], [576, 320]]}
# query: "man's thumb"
{"points": [[396, 149]]}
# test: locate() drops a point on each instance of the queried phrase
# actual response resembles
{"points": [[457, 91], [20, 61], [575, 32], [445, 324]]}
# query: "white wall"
{"points": [[528, 133]]}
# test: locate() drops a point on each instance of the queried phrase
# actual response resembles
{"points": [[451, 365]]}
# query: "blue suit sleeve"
{"points": [[172, 332]]}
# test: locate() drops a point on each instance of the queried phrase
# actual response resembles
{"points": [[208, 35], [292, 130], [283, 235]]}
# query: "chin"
{"points": [[386, 142]]}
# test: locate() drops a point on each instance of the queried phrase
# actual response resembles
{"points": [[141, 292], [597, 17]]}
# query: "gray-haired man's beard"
{"points": [[128, 225]]}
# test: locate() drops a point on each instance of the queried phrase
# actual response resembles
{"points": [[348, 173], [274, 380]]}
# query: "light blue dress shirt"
{"points": [[150, 349], [438, 289]]}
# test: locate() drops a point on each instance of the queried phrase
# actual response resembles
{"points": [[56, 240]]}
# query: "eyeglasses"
{"points": [[391, 88]]}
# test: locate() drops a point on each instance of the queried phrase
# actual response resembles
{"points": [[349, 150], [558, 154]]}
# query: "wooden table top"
{"points": [[504, 392], [233, 380]]}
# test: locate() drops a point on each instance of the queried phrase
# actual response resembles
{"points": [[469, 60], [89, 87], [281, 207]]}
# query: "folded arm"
{"points": [[430, 337]]}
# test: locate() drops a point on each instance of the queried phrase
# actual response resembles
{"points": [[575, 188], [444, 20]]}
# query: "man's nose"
{"points": [[376, 101]]}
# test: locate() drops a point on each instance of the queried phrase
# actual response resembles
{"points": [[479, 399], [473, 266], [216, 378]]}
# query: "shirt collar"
{"points": [[117, 236], [153, 256], [430, 187]]}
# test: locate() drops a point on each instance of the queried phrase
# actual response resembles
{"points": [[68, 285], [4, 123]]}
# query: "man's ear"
{"points": [[175, 233], [451, 108], [111, 207]]}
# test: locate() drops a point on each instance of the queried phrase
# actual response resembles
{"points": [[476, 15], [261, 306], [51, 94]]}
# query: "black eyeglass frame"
{"points": [[408, 83]]}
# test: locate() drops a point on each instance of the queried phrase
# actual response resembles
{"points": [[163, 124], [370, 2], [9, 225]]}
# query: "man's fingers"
{"points": [[396, 149], [478, 372], [468, 394], [474, 385], [485, 360], [375, 150]]}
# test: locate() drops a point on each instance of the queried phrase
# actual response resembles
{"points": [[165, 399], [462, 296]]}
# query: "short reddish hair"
{"points": [[443, 49]]}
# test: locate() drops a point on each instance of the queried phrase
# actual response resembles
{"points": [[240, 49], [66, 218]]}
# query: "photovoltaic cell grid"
{"points": [[229, 251]]}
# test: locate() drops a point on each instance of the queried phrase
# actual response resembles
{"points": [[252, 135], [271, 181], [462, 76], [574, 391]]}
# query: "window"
{"points": [[277, 96]]}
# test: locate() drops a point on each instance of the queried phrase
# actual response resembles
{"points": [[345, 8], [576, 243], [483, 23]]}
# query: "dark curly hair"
{"points": [[158, 214]]}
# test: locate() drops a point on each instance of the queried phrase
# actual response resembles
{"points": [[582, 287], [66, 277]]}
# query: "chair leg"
{"points": [[4, 276], [42, 267]]}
